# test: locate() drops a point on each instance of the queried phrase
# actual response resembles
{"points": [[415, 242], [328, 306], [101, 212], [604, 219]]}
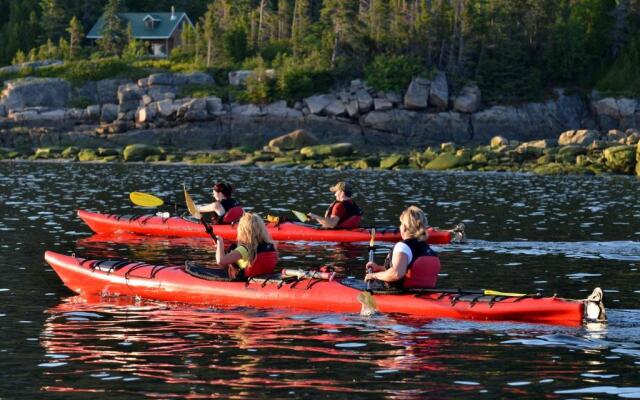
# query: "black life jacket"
{"points": [[232, 212], [422, 271], [353, 217]]}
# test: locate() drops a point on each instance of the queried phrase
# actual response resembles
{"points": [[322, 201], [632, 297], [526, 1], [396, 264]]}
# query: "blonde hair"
{"points": [[252, 232], [415, 223]]}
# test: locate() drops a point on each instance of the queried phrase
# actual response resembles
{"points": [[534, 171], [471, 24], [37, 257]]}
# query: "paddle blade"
{"points": [[302, 217], [368, 303], [496, 293], [191, 206], [145, 199]]}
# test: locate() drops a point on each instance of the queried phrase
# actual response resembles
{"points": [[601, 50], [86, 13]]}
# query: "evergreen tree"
{"points": [[113, 32], [300, 24], [76, 34], [53, 19]]}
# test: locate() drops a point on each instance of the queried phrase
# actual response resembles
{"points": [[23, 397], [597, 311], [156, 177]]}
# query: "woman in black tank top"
{"points": [[223, 201]]}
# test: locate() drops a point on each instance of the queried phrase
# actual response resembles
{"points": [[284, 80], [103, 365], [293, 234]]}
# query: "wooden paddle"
{"points": [[148, 200], [369, 306], [195, 213]]}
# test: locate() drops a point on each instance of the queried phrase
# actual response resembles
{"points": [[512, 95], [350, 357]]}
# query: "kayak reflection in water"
{"points": [[411, 263], [255, 253], [343, 212], [225, 208]]}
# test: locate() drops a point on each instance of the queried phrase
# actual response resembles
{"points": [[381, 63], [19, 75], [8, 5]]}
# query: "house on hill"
{"points": [[160, 29]]}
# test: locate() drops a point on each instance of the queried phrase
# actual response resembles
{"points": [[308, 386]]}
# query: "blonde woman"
{"points": [[255, 253], [411, 263]]}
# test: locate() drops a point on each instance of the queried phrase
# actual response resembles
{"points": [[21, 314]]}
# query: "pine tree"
{"points": [[284, 19], [300, 24], [113, 32], [76, 33], [341, 17], [53, 19]]}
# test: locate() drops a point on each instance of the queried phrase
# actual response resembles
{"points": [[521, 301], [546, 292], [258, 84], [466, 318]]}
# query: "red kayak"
{"points": [[179, 226], [179, 283]]}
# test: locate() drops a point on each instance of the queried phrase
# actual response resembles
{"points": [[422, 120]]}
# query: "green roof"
{"points": [[163, 28]]}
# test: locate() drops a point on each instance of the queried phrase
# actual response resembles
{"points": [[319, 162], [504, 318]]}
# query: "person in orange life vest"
{"points": [[225, 208], [411, 263], [255, 253], [342, 213]]}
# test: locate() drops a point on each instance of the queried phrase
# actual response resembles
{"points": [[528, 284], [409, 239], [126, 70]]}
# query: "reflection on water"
{"points": [[551, 235]]}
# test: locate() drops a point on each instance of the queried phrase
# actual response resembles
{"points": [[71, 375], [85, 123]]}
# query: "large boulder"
{"points": [[146, 113], [107, 90], [421, 128], [294, 140], [444, 161], [417, 95], [621, 158], [326, 150], [365, 101], [129, 93], [166, 108], [468, 101], [109, 113], [318, 103], [161, 79], [615, 113], [393, 160], [36, 92], [638, 159], [439, 92], [214, 105], [582, 137], [335, 107], [138, 152], [196, 78]]}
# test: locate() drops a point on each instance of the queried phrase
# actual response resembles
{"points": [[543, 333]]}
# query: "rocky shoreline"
{"points": [[354, 127]]}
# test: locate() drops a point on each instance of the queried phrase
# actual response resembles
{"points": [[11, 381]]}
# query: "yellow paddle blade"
{"points": [[368, 303], [302, 217], [191, 206], [145, 199], [506, 294], [372, 242]]}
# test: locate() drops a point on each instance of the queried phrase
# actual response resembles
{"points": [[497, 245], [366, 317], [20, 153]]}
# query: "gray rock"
{"points": [[498, 141], [439, 92], [382, 104], [108, 90], [393, 97], [196, 115], [166, 108], [353, 111], [582, 137], [468, 101], [129, 93], [356, 85], [294, 140], [74, 114], [417, 94], [239, 78], [159, 93], [365, 101], [318, 103], [246, 110], [128, 106], [3, 110], [335, 107], [214, 104], [146, 114], [34, 92], [146, 100], [420, 128], [197, 78], [92, 113], [280, 109], [161, 79], [143, 82], [89, 91], [614, 135], [109, 113]]}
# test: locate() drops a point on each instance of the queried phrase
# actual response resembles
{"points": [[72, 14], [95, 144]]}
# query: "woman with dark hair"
{"points": [[225, 208]]}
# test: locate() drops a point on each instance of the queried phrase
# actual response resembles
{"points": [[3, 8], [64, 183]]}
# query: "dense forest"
{"points": [[513, 49]]}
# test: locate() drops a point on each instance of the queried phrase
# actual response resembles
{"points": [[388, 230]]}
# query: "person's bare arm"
{"points": [[326, 222], [398, 269]]}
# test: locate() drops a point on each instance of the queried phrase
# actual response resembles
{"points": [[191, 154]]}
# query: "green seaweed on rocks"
{"points": [[138, 152]]}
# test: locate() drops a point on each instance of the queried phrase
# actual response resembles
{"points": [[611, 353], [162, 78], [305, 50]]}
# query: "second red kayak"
{"points": [[293, 231]]}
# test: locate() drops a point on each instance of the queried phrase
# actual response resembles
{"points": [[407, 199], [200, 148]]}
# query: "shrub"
{"points": [[392, 72]]}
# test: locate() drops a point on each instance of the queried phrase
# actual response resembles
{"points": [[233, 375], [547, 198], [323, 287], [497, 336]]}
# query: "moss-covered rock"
{"points": [[173, 158], [155, 158], [138, 152], [498, 141], [260, 156], [464, 156], [294, 140], [479, 158], [568, 154], [443, 161], [393, 160], [87, 155], [448, 147], [42, 153], [70, 152], [107, 151], [12, 154], [549, 169], [110, 158], [325, 150], [366, 163], [621, 158]]}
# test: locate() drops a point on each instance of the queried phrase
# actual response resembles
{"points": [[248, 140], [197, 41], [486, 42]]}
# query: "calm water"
{"points": [[562, 235]]}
